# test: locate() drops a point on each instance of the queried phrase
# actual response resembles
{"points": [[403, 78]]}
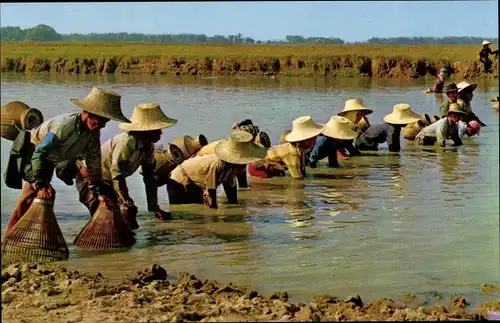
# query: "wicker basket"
{"points": [[263, 139], [189, 145], [17, 115], [36, 237]]}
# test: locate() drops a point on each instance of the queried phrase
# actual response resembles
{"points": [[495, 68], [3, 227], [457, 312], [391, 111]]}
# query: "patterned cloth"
{"points": [[291, 157]]}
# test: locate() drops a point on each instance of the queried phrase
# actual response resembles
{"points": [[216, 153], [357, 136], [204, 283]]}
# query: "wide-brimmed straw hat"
{"points": [[466, 86], [148, 117], [486, 42], [239, 148], [452, 87], [455, 108], [304, 128], [103, 103], [355, 105], [339, 127], [402, 114]]}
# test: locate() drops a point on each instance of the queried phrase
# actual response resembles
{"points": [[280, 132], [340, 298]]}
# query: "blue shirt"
{"points": [[380, 133], [324, 147]]}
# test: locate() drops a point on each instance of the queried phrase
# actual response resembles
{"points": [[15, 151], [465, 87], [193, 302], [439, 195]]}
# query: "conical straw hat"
{"points": [[402, 114], [455, 107], [102, 103], [304, 128], [485, 42], [263, 139], [283, 136], [340, 128], [466, 86], [240, 149], [106, 230], [354, 105], [148, 117], [36, 237]]}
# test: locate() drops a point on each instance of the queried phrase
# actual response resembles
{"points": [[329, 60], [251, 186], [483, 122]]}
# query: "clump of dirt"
{"points": [[53, 293]]}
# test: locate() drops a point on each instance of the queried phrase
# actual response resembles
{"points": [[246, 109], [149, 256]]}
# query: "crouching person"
{"points": [[195, 181], [62, 139], [439, 131], [337, 131], [122, 155]]}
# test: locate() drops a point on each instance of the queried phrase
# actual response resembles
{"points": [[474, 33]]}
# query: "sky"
{"points": [[348, 20]]}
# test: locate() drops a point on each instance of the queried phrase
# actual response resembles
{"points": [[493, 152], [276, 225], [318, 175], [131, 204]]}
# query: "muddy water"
{"points": [[387, 225]]}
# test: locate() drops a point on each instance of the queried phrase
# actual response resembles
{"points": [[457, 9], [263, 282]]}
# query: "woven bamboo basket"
{"points": [[189, 145], [166, 161], [36, 237], [410, 131], [435, 118], [106, 230], [283, 136], [263, 139], [426, 120], [17, 115]]}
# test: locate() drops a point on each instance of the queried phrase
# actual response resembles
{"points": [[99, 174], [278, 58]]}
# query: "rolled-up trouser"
{"points": [[180, 194], [87, 198]]}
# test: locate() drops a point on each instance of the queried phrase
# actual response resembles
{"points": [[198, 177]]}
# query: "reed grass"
{"points": [[53, 50]]}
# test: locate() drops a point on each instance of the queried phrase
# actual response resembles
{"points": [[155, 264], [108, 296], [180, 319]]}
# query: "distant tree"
{"points": [[41, 33]]}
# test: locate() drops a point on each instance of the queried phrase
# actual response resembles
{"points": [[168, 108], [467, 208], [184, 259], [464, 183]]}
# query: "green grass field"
{"points": [[48, 50]]}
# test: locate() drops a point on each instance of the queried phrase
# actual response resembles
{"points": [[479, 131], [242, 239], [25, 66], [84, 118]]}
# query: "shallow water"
{"points": [[381, 226]]}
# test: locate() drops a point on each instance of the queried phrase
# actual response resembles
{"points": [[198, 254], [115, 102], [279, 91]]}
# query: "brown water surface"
{"points": [[380, 226]]}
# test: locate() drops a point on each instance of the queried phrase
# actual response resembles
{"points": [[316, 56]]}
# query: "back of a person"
{"points": [[208, 149], [51, 125], [195, 168], [430, 130]]}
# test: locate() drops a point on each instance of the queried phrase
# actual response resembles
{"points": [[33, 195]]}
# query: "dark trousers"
{"points": [[87, 198], [180, 194]]}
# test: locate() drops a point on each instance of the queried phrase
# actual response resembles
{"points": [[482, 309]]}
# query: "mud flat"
{"points": [[52, 293], [383, 61]]}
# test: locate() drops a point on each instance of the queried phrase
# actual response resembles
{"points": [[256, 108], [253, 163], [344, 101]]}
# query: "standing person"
{"points": [[389, 131], [439, 131], [64, 138], [122, 155], [354, 110], [196, 179], [292, 155], [465, 94], [337, 130], [484, 55], [451, 97]]}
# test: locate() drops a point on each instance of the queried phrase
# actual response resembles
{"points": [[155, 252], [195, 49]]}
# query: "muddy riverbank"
{"points": [[384, 61], [56, 294]]}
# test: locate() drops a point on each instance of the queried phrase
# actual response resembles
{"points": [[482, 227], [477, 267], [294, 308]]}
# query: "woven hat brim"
{"points": [[390, 118], [366, 110], [472, 87], [311, 133], [456, 111], [116, 117], [157, 125], [342, 135], [252, 154]]}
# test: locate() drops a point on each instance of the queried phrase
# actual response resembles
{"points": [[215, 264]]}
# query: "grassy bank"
{"points": [[292, 60], [55, 294]]}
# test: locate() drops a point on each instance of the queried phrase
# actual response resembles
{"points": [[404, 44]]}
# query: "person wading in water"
{"points": [[122, 155], [484, 55], [451, 97], [439, 131], [64, 138]]}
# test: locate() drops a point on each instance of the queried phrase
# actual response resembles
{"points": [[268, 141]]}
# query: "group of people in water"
{"points": [[69, 145]]}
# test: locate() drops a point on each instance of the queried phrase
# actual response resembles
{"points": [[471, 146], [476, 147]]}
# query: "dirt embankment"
{"points": [[345, 65], [55, 294]]}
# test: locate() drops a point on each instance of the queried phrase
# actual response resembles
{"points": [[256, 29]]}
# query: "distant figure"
{"points": [[484, 55], [439, 82]]}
